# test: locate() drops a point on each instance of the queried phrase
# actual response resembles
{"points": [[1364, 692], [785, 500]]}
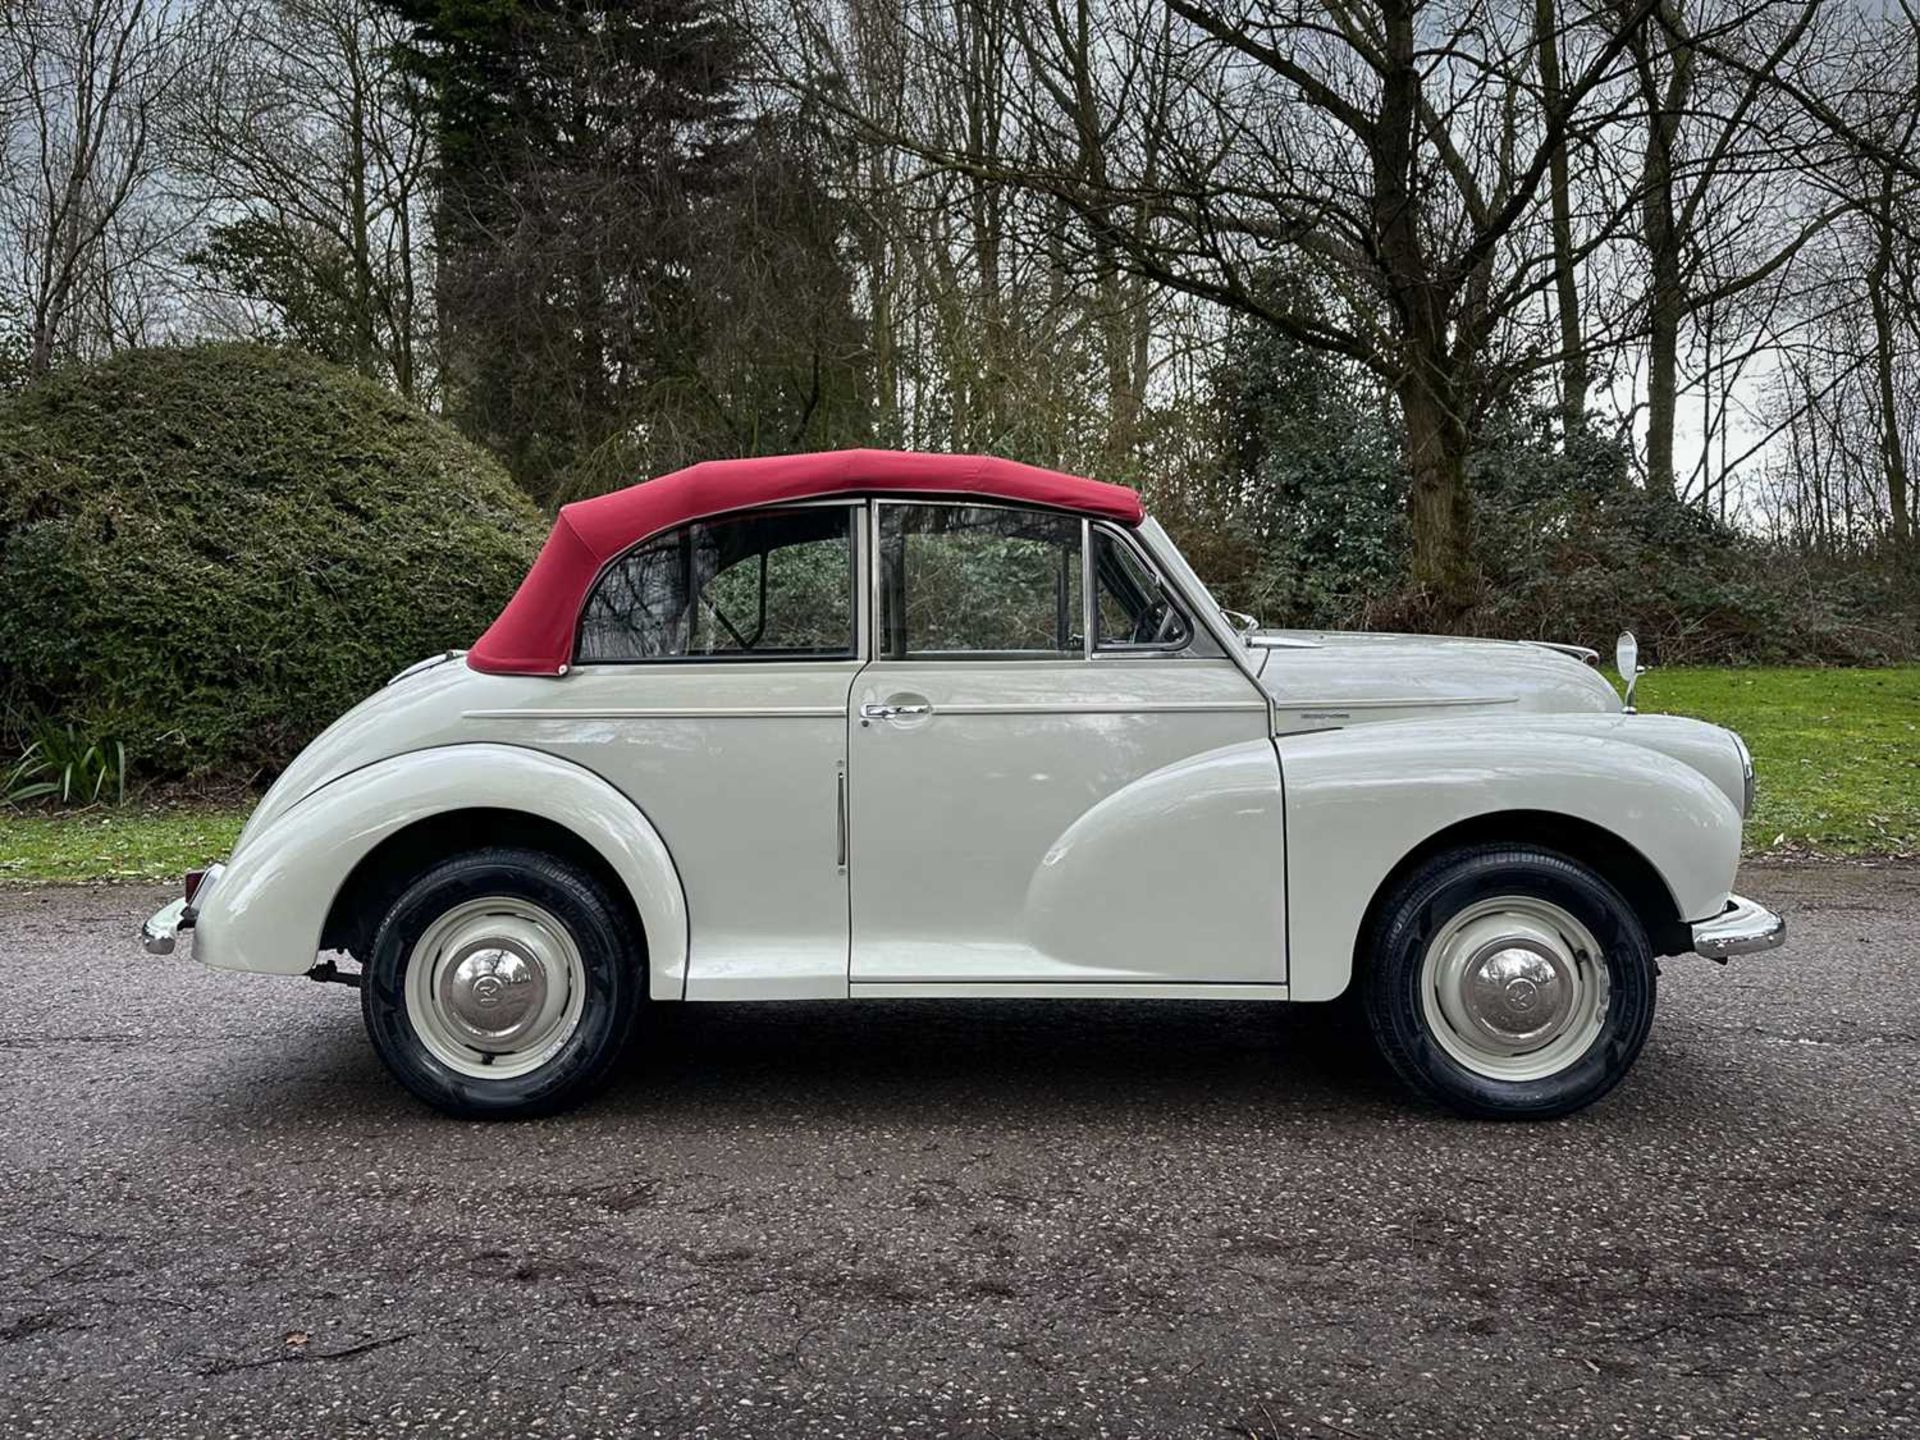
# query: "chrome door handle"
{"points": [[871, 711]]}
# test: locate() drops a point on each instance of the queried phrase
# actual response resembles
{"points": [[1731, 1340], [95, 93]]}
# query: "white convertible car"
{"points": [[882, 725]]}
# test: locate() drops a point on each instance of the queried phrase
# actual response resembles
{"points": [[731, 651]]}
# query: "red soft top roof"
{"points": [[534, 634]]}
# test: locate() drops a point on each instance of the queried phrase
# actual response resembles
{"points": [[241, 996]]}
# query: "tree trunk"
{"points": [[359, 227], [1892, 450], [1439, 504], [1666, 287], [1665, 307], [882, 330], [1574, 377], [404, 372], [1439, 510]]}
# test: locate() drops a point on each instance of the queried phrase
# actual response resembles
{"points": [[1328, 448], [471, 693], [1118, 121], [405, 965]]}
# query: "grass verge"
{"points": [[133, 843], [1836, 752]]}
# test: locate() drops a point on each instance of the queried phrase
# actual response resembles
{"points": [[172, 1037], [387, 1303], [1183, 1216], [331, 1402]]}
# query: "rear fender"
{"points": [[267, 910]]}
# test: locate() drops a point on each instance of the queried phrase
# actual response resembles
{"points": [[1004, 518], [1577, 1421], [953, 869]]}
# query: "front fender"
{"points": [[1360, 800], [266, 912]]}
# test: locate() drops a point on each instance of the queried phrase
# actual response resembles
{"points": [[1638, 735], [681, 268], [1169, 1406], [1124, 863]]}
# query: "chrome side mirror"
{"points": [[1626, 659]]}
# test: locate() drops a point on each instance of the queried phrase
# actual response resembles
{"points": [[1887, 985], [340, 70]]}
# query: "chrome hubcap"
{"points": [[494, 992], [1516, 995], [495, 987], [1514, 988]]}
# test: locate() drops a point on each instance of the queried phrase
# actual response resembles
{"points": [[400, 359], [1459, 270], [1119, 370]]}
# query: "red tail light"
{"points": [[192, 883]]}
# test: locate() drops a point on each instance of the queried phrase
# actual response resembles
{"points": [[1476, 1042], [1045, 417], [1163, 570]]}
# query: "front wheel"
{"points": [[1509, 982], [503, 982]]}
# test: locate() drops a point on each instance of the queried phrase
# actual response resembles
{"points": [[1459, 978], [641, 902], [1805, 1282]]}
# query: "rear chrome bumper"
{"points": [[1742, 928], [163, 927]]}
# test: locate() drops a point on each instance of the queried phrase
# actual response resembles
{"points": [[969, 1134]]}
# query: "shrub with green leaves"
{"points": [[1571, 549], [60, 765], [209, 552]]}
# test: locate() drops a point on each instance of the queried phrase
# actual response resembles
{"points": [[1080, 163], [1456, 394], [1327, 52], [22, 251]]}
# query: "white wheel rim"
{"points": [[495, 987], [1514, 988]]}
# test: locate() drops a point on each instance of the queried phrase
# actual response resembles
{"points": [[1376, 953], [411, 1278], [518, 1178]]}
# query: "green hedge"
{"points": [[209, 552]]}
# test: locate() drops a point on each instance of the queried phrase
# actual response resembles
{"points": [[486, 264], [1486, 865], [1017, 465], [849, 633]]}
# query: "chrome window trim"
{"points": [[781, 657], [862, 562], [940, 657], [1089, 610], [878, 503], [855, 651], [872, 526], [1123, 651], [1206, 618]]}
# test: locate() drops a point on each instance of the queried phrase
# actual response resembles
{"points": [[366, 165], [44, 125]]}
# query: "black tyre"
{"points": [[503, 982], [1508, 982]]}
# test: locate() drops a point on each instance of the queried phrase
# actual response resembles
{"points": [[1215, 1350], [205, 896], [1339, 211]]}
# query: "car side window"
{"points": [[1132, 610], [978, 580], [778, 584]]}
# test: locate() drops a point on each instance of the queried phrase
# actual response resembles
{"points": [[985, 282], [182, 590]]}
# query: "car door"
{"points": [[710, 684], [1055, 777]]}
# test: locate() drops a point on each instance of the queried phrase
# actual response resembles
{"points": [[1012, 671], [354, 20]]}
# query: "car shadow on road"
{"points": [[912, 1054], [883, 1060], [924, 1062]]}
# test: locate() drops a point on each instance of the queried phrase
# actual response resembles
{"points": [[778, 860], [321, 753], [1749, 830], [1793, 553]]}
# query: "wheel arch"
{"points": [[1616, 860], [380, 875], [306, 879], [1364, 801]]}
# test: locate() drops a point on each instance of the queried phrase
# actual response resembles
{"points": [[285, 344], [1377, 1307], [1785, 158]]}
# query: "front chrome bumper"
{"points": [[1742, 928]]}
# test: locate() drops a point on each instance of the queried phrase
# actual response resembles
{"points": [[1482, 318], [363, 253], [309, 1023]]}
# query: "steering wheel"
{"points": [[1159, 624]]}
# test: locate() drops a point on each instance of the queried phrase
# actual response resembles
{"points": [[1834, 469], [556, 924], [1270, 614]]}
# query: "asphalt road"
{"points": [[985, 1219]]}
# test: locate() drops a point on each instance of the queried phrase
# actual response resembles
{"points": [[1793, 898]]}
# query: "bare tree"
{"points": [[1847, 400], [83, 201], [1575, 371], [1391, 153], [1892, 219], [315, 159], [1719, 151], [1892, 349], [996, 321]]}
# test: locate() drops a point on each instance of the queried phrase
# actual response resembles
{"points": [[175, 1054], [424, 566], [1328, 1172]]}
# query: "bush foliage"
{"points": [[208, 553], [1302, 524], [1570, 548], [1305, 518]]}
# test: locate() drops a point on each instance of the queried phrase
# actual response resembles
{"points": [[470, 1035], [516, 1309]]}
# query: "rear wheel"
{"points": [[1509, 982], [502, 982]]}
